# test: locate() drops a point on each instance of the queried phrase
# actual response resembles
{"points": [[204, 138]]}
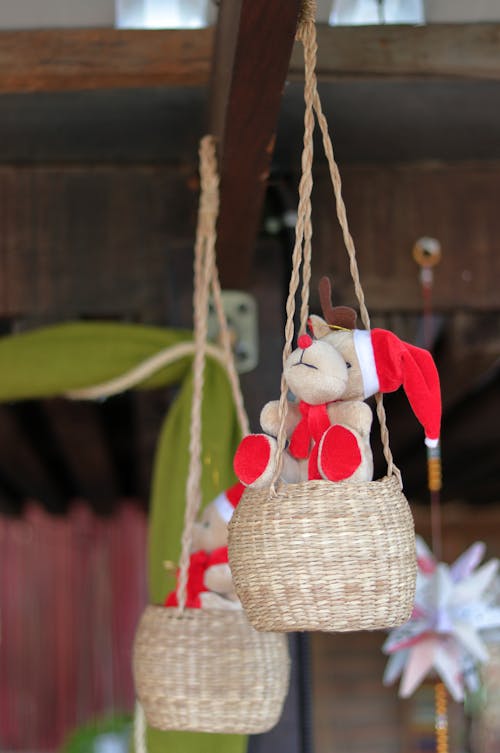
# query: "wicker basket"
{"points": [[324, 556], [209, 671]]}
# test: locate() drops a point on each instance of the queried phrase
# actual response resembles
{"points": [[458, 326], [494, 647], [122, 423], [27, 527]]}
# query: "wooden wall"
{"points": [[93, 241], [105, 240], [389, 207]]}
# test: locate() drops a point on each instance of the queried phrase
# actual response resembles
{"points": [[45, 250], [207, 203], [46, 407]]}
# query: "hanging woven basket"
{"points": [[206, 670], [209, 671], [322, 555]]}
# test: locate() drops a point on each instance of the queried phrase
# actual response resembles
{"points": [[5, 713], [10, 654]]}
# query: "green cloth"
{"points": [[220, 435], [54, 360]]}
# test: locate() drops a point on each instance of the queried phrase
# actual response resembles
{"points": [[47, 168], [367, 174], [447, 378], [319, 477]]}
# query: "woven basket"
{"points": [[324, 556], [209, 671]]}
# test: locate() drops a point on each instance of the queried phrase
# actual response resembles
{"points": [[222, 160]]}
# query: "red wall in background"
{"points": [[71, 591]]}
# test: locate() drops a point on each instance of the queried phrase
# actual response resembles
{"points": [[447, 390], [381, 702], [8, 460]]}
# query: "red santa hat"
{"points": [[388, 363], [227, 501]]}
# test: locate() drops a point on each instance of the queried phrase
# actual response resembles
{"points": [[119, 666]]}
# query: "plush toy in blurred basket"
{"points": [[209, 584]]}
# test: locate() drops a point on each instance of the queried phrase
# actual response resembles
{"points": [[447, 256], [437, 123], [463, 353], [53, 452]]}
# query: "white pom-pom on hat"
{"points": [[227, 501]]}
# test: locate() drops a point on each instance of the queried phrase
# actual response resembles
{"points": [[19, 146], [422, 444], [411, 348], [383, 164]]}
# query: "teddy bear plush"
{"points": [[209, 584], [328, 426]]}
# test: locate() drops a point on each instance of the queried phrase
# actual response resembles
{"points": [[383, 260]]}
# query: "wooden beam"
{"points": [[253, 45], [78, 59], [387, 51], [389, 208]]}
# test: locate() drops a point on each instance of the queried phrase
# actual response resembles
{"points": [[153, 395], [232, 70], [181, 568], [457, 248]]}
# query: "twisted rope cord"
{"points": [[140, 744], [307, 12], [203, 272], [306, 33], [306, 269], [205, 275], [143, 371], [208, 154], [303, 233], [353, 266]]}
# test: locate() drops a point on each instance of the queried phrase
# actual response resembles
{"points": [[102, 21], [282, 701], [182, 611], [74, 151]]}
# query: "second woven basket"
{"points": [[201, 669], [209, 671]]}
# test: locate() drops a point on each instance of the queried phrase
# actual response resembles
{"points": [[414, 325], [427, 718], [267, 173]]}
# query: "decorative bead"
{"points": [[441, 718]]}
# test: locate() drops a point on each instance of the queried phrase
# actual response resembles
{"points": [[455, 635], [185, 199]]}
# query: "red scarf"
{"points": [[310, 429]]}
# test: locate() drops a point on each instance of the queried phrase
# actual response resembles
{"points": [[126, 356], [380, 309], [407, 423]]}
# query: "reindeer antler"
{"points": [[338, 316]]}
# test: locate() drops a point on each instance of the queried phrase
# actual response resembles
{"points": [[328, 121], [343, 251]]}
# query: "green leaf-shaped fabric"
{"points": [[53, 360]]}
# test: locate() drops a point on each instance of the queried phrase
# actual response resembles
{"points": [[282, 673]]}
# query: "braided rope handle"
{"points": [[205, 278], [306, 33], [140, 729]]}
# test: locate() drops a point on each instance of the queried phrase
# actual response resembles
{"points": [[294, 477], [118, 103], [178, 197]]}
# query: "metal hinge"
{"points": [[241, 314]]}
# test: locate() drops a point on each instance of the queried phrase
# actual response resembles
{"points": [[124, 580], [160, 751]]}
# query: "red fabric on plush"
{"points": [[311, 427], [198, 563], [401, 364], [218, 557], [251, 458], [339, 453], [234, 493]]}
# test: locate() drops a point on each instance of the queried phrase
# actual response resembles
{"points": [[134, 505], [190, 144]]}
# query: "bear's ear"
{"points": [[318, 326], [342, 317]]}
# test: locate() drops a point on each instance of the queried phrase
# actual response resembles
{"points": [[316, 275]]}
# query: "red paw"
{"points": [[252, 458], [339, 454]]}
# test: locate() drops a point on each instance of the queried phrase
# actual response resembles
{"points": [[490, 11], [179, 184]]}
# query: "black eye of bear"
{"points": [[206, 524], [348, 364]]}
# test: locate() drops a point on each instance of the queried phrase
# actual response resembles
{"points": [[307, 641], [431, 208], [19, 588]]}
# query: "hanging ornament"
{"points": [[454, 607], [315, 543], [198, 663]]}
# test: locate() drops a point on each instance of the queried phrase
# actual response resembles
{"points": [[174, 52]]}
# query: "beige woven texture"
{"points": [[323, 556], [209, 671]]}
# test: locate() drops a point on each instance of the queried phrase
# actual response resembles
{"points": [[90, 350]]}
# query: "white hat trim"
{"points": [[366, 358], [224, 507], [431, 442]]}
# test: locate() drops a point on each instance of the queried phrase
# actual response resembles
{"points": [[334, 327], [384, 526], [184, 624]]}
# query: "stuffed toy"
{"points": [[328, 425], [209, 584]]}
